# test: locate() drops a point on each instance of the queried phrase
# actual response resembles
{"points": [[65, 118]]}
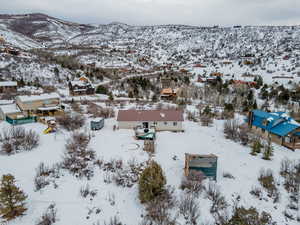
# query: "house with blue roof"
{"points": [[278, 126]]}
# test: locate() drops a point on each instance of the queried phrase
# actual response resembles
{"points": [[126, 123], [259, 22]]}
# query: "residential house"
{"points": [[161, 120], [168, 94], [166, 82], [207, 164], [40, 105], [81, 86], [244, 83], [277, 126], [8, 87]]}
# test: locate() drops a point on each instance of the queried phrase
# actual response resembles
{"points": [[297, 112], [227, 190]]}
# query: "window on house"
{"points": [[166, 123], [174, 123]]}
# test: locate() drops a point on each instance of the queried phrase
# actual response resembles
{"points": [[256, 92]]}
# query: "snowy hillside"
{"points": [[118, 45]]}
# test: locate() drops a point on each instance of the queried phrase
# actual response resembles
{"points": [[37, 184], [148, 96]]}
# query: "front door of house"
{"points": [[145, 125]]}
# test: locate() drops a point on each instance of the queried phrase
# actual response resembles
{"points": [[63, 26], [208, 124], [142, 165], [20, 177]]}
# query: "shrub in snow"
{"points": [[243, 216], [151, 182], [98, 111], [268, 150], [78, 158], [159, 210], [286, 167], [77, 107], [228, 175], [243, 135], [49, 217], [189, 208], [85, 191], [256, 146], [12, 199], [17, 139], [266, 179], [206, 120], [193, 182], [191, 116], [71, 122], [45, 175], [113, 221], [231, 129], [257, 192], [218, 200]]}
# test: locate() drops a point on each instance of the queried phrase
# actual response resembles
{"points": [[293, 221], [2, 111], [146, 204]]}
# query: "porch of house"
{"points": [[49, 112]]}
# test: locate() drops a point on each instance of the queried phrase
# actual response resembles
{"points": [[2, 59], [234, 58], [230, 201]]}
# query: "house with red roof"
{"points": [[161, 120]]}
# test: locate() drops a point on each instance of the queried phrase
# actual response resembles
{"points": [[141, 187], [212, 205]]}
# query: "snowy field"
{"points": [[120, 144]]}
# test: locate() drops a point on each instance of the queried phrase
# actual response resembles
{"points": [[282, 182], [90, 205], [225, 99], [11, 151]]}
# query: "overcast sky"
{"points": [[148, 12]]}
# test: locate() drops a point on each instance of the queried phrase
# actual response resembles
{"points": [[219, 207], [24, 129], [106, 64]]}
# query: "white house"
{"points": [[162, 120]]}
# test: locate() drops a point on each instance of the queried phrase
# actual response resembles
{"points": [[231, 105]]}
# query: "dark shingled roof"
{"points": [[150, 115]]}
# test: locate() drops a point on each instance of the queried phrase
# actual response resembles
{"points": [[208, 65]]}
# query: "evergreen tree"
{"points": [[207, 110], [111, 97], [12, 198], [151, 182], [268, 150]]}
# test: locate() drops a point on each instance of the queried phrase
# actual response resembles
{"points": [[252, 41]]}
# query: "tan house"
{"points": [[161, 120], [168, 94], [8, 86], [40, 105]]}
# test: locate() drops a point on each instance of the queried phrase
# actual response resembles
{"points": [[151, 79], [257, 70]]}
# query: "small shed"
{"points": [[97, 124], [207, 164]]}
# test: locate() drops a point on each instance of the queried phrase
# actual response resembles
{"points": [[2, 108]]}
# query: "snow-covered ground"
{"points": [[120, 144]]}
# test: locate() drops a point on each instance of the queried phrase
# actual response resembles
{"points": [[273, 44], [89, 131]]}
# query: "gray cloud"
{"points": [[193, 12]]}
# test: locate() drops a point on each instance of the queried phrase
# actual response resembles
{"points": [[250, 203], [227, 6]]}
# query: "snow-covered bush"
{"points": [[243, 216], [98, 111], [71, 122], [257, 192], [214, 194], [231, 129], [189, 208], [112, 221], [159, 210], [86, 191], [46, 175], [228, 175], [17, 139], [193, 182], [49, 217], [78, 158], [267, 181]]}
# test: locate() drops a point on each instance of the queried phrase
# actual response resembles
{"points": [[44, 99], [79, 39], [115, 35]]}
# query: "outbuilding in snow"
{"points": [[11, 110], [8, 86], [207, 164], [97, 124]]}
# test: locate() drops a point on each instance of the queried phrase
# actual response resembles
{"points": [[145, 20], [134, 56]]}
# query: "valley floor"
{"points": [[120, 144]]}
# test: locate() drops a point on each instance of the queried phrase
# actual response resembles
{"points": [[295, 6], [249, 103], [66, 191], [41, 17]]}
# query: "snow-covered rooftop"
{"points": [[8, 83], [12, 108], [28, 98]]}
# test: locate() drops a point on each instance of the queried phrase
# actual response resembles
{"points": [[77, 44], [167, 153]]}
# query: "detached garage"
{"points": [[161, 120], [11, 110]]}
